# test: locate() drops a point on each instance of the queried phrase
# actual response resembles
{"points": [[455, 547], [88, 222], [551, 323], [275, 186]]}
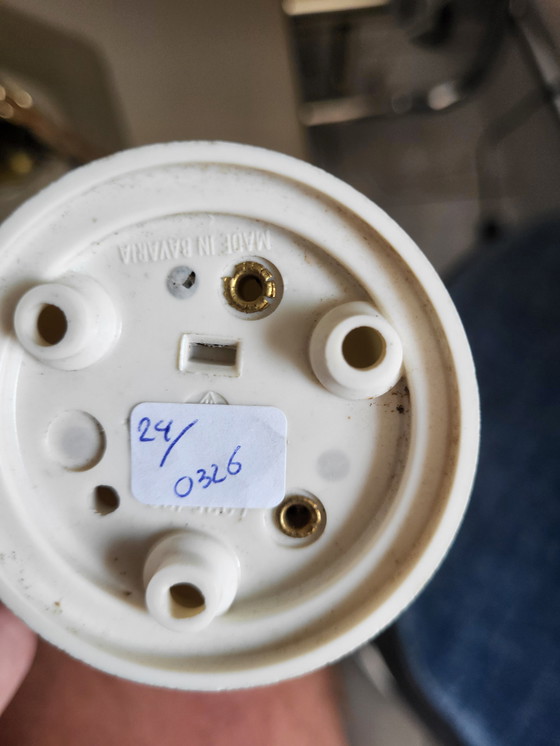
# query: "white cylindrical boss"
{"points": [[240, 416], [355, 352]]}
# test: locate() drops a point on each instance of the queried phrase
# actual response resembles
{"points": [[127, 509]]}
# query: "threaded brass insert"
{"points": [[250, 288], [300, 516]]}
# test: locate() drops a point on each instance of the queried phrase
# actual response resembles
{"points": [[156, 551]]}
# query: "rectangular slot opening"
{"points": [[199, 354], [213, 354]]}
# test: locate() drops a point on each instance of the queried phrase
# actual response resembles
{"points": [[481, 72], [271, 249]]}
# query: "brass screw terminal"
{"points": [[250, 288], [300, 516]]}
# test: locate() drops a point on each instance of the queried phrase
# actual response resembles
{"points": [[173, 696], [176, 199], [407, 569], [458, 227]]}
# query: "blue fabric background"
{"points": [[483, 640]]}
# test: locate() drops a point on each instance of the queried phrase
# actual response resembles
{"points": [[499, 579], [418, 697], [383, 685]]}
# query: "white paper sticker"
{"points": [[200, 455]]}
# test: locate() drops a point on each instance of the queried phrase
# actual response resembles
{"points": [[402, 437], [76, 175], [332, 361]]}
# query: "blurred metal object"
{"points": [[430, 23], [17, 107], [20, 155], [353, 108], [541, 51], [339, 110], [425, 21], [310, 7], [541, 48]]}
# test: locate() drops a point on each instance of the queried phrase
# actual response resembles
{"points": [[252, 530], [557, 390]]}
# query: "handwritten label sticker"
{"points": [[203, 456]]}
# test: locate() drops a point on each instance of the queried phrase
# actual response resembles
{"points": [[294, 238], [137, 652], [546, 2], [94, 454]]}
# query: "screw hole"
{"points": [[363, 347], [181, 282], [189, 281], [52, 325], [252, 288], [249, 288], [106, 499], [186, 600], [300, 516]]}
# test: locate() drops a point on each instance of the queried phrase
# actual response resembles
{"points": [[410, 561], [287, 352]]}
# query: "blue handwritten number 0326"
{"points": [[183, 486]]}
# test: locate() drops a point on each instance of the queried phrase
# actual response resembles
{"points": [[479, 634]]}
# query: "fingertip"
{"points": [[17, 650]]}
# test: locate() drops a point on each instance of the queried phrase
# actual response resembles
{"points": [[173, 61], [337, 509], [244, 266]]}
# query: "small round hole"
{"points": [[186, 600], [181, 282], [106, 499], [52, 325], [249, 288], [189, 281], [300, 516], [363, 347], [252, 288]]}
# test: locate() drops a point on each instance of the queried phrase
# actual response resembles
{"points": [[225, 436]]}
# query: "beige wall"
{"points": [[179, 69]]}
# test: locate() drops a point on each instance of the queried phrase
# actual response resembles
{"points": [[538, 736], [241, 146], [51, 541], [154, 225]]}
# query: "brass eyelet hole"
{"points": [[251, 288], [300, 516]]}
